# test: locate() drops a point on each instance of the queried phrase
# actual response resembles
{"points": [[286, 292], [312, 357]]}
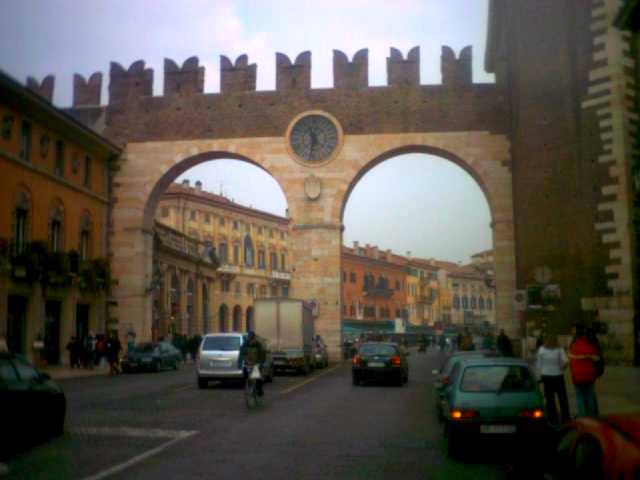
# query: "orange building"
{"points": [[374, 284], [54, 199]]}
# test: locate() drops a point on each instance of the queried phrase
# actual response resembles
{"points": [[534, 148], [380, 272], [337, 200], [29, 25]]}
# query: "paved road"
{"points": [[151, 426]]}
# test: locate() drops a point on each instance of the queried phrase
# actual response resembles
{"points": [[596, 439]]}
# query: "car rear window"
{"points": [[497, 378], [225, 344], [378, 350], [144, 348]]}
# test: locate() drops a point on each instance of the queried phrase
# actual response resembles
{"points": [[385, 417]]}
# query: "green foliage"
{"points": [[95, 276]]}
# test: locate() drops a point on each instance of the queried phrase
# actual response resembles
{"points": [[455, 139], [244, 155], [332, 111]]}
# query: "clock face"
{"points": [[314, 138]]}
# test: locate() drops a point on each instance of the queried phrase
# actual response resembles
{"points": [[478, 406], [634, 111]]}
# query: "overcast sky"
{"points": [[415, 203]]}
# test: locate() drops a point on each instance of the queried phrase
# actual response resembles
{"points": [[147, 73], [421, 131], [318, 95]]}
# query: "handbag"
{"points": [[255, 373]]}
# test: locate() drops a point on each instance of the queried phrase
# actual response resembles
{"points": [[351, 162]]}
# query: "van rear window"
{"points": [[225, 344]]}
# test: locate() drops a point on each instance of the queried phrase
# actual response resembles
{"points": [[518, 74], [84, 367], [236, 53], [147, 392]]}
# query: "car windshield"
{"points": [[143, 348], [371, 349], [497, 378], [225, 344]]}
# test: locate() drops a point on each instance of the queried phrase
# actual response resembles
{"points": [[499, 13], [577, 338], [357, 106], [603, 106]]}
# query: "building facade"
{"points": [[472, 296], [374, 286], [54, 198], [185, 274], [251, 246]]}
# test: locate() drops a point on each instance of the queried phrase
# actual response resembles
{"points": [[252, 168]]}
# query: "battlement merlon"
{"points": [[296, 76], [44, 88], [401, 72], [456, 72], [87, 93], [135, 82], [183, 81], [351, 75], [237, 78]]}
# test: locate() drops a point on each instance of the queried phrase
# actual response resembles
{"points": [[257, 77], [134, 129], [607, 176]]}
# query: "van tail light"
{"points": [[445, 381], [463, 414], [536, 413], [356, 360], [396, 361]]}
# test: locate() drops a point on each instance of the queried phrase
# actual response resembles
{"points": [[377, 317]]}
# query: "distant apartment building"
{"points": [[251, 246], [54, 192], [374, 286]]}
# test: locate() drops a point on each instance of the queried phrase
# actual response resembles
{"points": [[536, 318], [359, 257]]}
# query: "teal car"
{"points": [[493, 397]]}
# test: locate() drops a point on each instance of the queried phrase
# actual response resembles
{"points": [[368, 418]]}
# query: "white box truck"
{"points": [[287, 324]]}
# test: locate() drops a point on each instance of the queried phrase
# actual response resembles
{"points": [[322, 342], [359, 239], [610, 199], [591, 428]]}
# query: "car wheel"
{"points": [[202, 382], [355, 379], [57, 428], [156, 367], [454, 442]]}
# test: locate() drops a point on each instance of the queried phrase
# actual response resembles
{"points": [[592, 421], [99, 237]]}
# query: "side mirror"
{"points": [[435, 371]]}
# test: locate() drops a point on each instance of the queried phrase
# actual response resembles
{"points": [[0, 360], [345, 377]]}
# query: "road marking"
{"points": [[182, 389], [174, 435], [315, 377]]}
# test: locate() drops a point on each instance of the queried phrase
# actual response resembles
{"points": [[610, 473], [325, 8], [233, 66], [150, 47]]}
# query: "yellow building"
{"points": [[251, 245], [54, 198], [424, 292]]}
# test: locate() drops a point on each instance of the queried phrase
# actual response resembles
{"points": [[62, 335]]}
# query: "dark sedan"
{"points": [[380, 361], [152, 357], [31, 404]]}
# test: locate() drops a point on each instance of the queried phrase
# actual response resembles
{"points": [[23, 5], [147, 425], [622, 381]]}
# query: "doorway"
{"points": [[82, 320], [17, 319], [52, 332]]}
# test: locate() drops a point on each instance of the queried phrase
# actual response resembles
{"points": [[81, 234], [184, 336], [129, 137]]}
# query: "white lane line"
{"points": [[315, 377], [139, 458], [131, 432]]}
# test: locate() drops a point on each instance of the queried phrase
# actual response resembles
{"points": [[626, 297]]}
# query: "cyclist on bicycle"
{"points": [[253, 353]]}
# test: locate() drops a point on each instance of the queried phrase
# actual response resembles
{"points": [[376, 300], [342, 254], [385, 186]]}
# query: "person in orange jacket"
{"points": [[583, 356]]}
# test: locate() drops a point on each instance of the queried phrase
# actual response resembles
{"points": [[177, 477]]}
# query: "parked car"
{"points": [[32, 404], [381, 361], [606, 447], [151, 357], [492, 397], [321, 354], [442, 375], [218, 358]]}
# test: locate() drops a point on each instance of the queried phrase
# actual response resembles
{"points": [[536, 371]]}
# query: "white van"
{"points": [[218, 356]]}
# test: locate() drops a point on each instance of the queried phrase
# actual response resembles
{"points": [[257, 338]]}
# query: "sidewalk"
{"points": [[618, 390], [63, 372]]}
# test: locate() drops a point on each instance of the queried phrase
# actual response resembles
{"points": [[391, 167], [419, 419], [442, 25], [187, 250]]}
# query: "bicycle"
{"points": [[252, 399]]}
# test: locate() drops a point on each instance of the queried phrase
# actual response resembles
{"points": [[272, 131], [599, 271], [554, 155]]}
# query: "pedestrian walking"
{"points": [[89, 351], [101, 344], [74, 352], [113, 348], [583, 356], [551, 363], [504, 344]]}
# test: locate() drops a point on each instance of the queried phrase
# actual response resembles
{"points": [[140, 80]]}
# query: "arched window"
{"points": [[237, 318], [261, 259], [236, 253], [84, 249], [248, 252], [222, 317], [465, 302], [283, 261], [473, 303], [456, 302], [189, 319], [205, 308], [481, 303], [21, 217], [223, 254], [274, 261], [56, 227], [489, 304]]}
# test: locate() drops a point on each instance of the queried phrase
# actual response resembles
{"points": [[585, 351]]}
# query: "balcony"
{"points": [[282, 276], [378, 293]]}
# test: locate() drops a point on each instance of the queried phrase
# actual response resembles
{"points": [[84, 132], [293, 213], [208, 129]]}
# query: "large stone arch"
{"points": [[316, 229]]}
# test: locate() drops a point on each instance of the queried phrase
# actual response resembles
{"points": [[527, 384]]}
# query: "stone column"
{"points": [[184, 321], [504, 253], [198, 321], [34, 325], [316, 274]]}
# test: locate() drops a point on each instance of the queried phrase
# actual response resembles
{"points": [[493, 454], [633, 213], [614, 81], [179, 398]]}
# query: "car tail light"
{"points": [[463, 414], [445, 381], [535, 413], [396, 361], [356, 360]]}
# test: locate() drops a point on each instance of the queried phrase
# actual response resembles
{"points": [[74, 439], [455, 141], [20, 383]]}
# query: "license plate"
{"points": [[497, 429], [219, 363], [376, 364]]}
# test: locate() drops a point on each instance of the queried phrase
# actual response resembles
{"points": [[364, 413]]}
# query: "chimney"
{"points": [[185, 183], [199, 186]]}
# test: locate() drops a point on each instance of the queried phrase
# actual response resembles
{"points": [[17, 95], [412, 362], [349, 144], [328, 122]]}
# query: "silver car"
{"points": [[218, 358]]}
